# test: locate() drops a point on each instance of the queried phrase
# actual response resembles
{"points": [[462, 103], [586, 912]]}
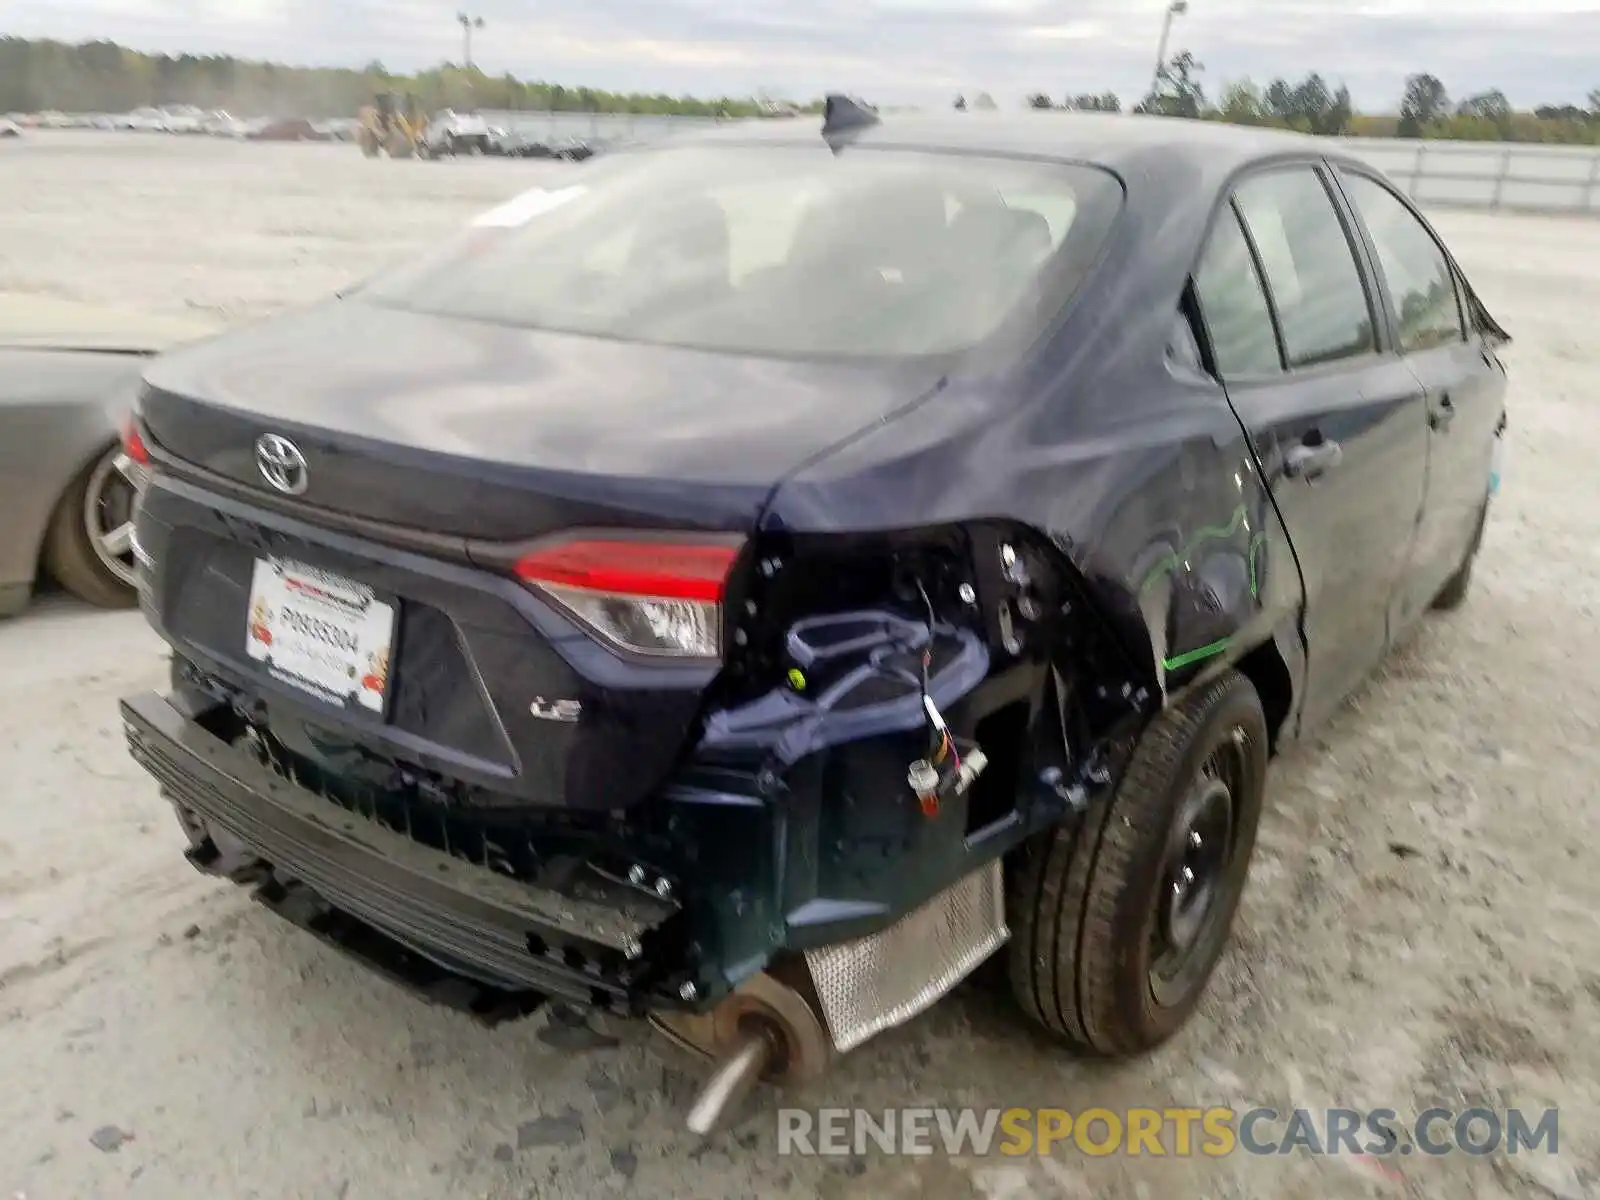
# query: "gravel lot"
{"points": [[1420, 928]]}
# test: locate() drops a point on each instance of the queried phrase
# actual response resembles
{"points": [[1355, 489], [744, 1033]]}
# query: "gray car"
{"points": [[68, 373]]}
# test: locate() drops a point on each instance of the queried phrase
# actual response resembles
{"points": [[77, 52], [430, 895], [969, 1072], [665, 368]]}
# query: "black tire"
{"points": [[1085, 901], [69, 553], [1454, 593]]}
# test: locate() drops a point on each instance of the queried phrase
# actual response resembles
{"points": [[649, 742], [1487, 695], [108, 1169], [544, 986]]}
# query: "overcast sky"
{"points": [[892, 51]]}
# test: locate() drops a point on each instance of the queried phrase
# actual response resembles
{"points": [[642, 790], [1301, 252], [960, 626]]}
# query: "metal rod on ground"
{"points": [[730, 1083]]}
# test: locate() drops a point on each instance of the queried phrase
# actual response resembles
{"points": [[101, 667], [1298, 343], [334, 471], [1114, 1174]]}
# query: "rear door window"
{"points": [[1311, 272], [1234, 305], [1421, 285]]}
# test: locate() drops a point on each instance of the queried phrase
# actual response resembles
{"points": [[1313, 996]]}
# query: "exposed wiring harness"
{"points": [[946, 746], [946, 772]]}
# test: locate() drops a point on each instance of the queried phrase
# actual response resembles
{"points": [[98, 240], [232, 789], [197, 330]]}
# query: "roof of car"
{"points": [[1115, 140]]}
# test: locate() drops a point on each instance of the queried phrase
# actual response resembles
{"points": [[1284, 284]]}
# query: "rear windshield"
{"points": [[788, 251]]}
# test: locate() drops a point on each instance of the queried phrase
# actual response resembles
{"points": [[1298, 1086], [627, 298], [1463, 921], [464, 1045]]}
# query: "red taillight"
{"points": [[133, 444], [669, 570], [657, 596]]}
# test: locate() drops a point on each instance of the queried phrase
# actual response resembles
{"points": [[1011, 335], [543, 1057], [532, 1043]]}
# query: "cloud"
{"points": [[892, 50]]}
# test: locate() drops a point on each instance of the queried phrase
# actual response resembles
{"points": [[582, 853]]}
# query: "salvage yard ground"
{"points": [[1421, 926]]}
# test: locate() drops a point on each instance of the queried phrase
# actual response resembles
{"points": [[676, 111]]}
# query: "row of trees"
{"points": [[105, 77], [40, 76], [1313, 105]]}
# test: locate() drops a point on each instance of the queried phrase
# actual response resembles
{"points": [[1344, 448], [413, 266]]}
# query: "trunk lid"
{"points": [[397, 634], [483, 431]]}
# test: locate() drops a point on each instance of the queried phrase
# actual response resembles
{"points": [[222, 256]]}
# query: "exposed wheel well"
{"points": [[1269, 674]]}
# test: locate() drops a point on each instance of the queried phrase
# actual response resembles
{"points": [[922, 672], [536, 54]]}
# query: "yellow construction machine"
{"points": [[391, 125]]}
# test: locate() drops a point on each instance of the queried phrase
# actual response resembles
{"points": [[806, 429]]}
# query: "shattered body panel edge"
{"points": [[1190, 573], [1133, 495]]}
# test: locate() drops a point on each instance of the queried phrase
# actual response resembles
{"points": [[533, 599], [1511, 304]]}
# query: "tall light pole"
{"points": [[1175, 9], [468, 24]]}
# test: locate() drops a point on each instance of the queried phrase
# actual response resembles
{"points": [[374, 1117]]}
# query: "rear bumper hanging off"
{"points": [[462, 935], [250, 824]]}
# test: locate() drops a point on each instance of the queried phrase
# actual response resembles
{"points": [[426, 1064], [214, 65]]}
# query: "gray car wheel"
{"points": [[1454, 593], [89, 547]]}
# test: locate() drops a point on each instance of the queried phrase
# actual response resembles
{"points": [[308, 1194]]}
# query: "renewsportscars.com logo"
{"points": [[1174, 1132]]}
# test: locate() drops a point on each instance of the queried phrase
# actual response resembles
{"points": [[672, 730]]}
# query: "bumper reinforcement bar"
{"points": [[510, 936]]}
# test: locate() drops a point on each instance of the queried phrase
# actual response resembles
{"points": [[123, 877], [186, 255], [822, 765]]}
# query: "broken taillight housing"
{"points": [[133, 442], [656, 596]]}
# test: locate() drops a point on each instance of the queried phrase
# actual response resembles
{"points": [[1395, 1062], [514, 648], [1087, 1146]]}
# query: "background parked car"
{"points": [[338, 129], [146, 120], [287, 129], [68, 373], [529, 147], [223, 124], [573, 149], [503, 142], [452, 133]]}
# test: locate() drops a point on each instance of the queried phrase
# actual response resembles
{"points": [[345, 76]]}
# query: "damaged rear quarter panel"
{"points": [[1136, 471], [1132, 492]]}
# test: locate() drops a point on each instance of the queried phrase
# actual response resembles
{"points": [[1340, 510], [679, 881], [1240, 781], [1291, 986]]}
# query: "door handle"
{"points": [[1312, 458], [1441, 414]]}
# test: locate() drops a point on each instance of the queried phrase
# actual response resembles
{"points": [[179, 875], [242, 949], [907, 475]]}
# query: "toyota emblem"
{"points": [[281, 464]]}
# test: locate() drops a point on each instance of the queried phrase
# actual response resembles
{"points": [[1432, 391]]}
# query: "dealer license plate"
{"points": [[321, 633]]}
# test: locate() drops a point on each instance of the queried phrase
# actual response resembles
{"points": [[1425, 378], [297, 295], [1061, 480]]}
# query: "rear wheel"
{"points": [[1454, 593], [1118, 921], [89, 545]]}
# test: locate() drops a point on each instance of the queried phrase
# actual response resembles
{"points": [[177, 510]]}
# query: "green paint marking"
{"points": [[1172, 561], [1256, 543], [1194, 656]]}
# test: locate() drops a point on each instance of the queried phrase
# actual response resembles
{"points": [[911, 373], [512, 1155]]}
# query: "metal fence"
{"points": [[1485, 175], [1489, 175]]}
